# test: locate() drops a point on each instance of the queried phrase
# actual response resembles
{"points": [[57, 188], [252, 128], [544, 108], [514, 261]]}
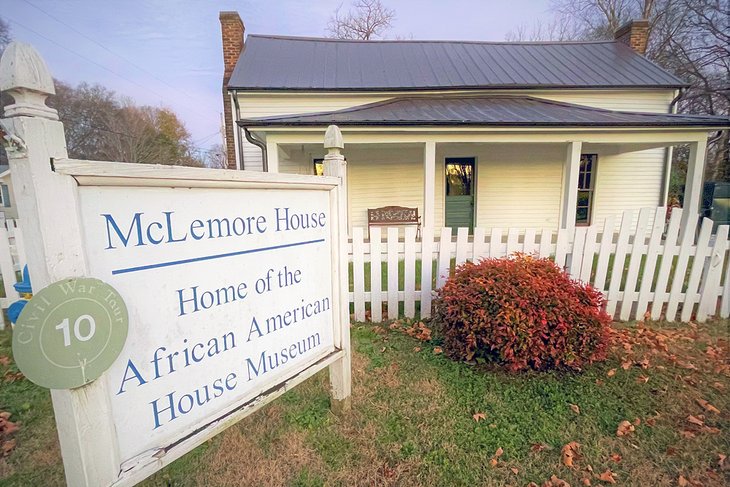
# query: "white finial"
{"points": [[333, 138], [24, 75]]}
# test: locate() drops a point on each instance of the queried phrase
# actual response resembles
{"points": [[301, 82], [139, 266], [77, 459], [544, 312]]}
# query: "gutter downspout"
{"points": [[668, 152], [235, 123], [261, 145]]}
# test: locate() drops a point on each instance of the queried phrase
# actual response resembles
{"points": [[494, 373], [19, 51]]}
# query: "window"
{"points": [[586, 185], [318, 167]]}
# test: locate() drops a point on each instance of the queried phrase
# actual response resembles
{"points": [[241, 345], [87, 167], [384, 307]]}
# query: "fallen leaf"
{"points": [[437, 350], [682, 482], [694, 420], [556, 482], [515, 470], [4, 360], [616, 457], [644, 364], [570, 453], [479, 416], [586, 481], [611, 373], [7, 447], [538, 447], [382, 350], [636, 422], [575, 408], [493, 425], [607, 476], [708, 407], [624, 428], [499, 452], [721, 460], [687, 434], [642, 379], [626, 365], [493, 462], [416, 349], [650, 421]]}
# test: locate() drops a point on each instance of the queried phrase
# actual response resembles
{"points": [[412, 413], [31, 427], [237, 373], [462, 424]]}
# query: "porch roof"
{"points": [[495, 110]]}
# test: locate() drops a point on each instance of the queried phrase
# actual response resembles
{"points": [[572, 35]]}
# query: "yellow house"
{"points": [[488, 134]]}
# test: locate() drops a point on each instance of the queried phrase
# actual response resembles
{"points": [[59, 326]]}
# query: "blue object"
{"points": [[24, 286], [15, 309]]}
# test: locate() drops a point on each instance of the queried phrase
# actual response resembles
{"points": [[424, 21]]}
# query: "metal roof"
{"points": [[298, 63], [493, 110]]}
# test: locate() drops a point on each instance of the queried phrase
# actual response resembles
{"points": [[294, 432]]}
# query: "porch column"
{"points": [[272, 156], [429, 184], [693, 184], [570, 185]]}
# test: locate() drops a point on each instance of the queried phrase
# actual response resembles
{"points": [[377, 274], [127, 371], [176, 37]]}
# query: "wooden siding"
{"points": [[270, 104], [382, 177], [628, 181]]}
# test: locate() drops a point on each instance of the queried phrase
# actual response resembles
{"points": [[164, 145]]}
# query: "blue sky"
{"points": [[168, 52]]}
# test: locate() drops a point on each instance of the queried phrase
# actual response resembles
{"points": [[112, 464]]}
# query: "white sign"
{"points": [[229, 292]]}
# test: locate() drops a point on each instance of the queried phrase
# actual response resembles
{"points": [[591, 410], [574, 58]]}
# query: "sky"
{"points": [[168, 52]]}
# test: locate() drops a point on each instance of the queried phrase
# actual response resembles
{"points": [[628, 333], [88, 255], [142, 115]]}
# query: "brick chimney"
{"points": [[635, 34], [232, 30]]}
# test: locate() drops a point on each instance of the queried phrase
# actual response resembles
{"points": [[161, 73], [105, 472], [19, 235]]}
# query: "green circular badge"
{"points": [[70, 332]]}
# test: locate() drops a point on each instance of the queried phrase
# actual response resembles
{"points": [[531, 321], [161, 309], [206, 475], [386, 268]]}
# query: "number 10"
{"points": [[65, 327]]}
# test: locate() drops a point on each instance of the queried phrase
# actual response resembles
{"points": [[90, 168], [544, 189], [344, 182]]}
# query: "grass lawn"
{"points": [[413, 423]]}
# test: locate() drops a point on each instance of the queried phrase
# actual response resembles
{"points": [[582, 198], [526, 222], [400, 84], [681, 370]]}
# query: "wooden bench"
{"points": [[394, 215]]}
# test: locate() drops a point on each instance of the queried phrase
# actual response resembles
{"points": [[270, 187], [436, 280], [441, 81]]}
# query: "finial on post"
{"points": [[333, 140], [24, 75]]}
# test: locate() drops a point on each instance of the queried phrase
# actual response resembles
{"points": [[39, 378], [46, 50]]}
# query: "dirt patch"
{"points": [[238, 460]]}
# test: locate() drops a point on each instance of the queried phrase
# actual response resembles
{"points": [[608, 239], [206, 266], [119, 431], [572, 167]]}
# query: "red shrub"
{"points": [[523, 312]]}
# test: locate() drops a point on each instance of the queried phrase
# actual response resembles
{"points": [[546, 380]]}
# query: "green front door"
{"points": [[460, 192]]}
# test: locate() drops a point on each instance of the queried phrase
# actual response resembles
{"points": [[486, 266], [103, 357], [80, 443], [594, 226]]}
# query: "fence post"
{"points": [[340, 371], [47, 205]]}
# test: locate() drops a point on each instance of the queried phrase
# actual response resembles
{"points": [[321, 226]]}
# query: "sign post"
{"points": [[173, 301]]}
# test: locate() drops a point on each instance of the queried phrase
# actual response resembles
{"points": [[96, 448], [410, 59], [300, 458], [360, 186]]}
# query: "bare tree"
{"points": [[216, 157], [690, 38], [560, 28], [366, 20], [4, 34]]}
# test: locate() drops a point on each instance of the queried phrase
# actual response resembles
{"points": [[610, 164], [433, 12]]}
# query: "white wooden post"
{"points": [[570, 186], [48, 210], [272, 156], [429, 184], [340, 371], [693, 184]]}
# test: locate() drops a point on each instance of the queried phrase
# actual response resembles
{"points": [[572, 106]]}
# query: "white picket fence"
{"points": [[670, 272], [12, 260]]}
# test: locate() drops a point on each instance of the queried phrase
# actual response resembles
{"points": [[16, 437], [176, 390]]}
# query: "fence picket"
{"points": [[376, 272], [426, 271], [604, 252], [529, 245], [561, 249], [462, 242], [480, 249], [669, 250], [708, 299], [513, 237], [409, 273], [20, 247], [392, 273], [691, 295], [617, 271], [576, 253], [444, 264], [637, 253], [495, 243], [725, 303], [358, 273], [652, 251], [685, 249], [589, 251], [546, 242]]}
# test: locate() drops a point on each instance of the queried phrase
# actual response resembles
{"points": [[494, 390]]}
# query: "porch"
{"points": [[501, 180]]}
